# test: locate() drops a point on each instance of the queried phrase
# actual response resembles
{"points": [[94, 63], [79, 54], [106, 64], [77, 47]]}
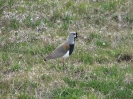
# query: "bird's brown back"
{"points": [[59, 51]]}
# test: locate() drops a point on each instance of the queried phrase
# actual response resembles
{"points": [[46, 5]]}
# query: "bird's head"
{"points": [[73, 34]]}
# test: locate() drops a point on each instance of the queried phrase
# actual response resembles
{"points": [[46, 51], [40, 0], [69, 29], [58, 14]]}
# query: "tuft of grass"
{"points": [[14, 24], [121, 93], [26, 96], [65, 93], [15, 67], [46, 78], [70, 82], [5, 57], [11, 3], [109, 5], [2, 5]]}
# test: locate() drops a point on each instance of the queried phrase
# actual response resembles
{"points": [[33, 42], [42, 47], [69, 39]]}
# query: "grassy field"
{"points": [[100, 67]]}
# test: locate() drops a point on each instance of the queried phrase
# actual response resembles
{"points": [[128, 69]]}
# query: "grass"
{"points": [[31, 29]]}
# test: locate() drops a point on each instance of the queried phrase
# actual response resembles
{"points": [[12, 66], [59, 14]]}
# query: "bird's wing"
{"points": [[59, 51]]}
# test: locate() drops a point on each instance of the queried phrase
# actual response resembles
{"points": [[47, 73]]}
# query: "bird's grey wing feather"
{"points": [[59, 51]]}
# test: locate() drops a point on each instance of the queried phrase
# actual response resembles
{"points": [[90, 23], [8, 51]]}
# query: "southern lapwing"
{"points": [[64, 50]]}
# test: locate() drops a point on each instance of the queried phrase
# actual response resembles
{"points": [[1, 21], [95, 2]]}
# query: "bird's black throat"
{"points": [[71, 48]]}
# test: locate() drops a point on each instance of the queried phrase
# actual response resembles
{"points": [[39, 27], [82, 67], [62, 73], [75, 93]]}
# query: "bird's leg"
{"points": [[63, 63]]}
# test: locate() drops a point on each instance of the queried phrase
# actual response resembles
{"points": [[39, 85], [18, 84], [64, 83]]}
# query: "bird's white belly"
{"points": [[66, 55]]}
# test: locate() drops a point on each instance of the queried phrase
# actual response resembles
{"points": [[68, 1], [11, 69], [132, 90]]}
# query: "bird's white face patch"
{"points": [[66, 55]]}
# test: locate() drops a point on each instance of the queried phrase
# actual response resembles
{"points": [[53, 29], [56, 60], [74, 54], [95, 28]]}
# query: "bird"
{"points": [[65, 49]]}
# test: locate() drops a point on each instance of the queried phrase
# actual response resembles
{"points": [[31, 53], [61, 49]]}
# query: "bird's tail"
{"points": [[45, 59]]}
